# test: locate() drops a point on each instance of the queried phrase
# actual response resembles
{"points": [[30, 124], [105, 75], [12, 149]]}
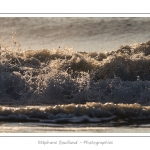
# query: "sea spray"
{"points": [[36, 77]]}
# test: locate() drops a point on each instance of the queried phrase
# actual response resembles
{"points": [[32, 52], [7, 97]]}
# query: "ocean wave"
{"points": [[56, 76], [91, 112]]}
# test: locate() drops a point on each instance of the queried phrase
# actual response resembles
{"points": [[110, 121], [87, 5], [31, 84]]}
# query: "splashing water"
{"points": [[57, 76]]}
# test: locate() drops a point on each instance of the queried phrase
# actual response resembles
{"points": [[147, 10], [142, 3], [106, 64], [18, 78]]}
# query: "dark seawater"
{"points": [[75, 71]]}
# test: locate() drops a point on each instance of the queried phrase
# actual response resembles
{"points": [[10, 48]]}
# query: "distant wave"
{"points": [[36, 77]]}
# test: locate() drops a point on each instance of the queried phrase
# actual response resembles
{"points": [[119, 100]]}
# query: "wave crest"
{"points": [[66, 76]]}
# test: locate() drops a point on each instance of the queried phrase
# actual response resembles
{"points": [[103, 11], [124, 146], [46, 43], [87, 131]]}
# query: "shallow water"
{"points": [[70, 128]]}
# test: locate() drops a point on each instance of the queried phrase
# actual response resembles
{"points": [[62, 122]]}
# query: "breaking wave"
{"points": [[39, 77], [91, 112]]}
